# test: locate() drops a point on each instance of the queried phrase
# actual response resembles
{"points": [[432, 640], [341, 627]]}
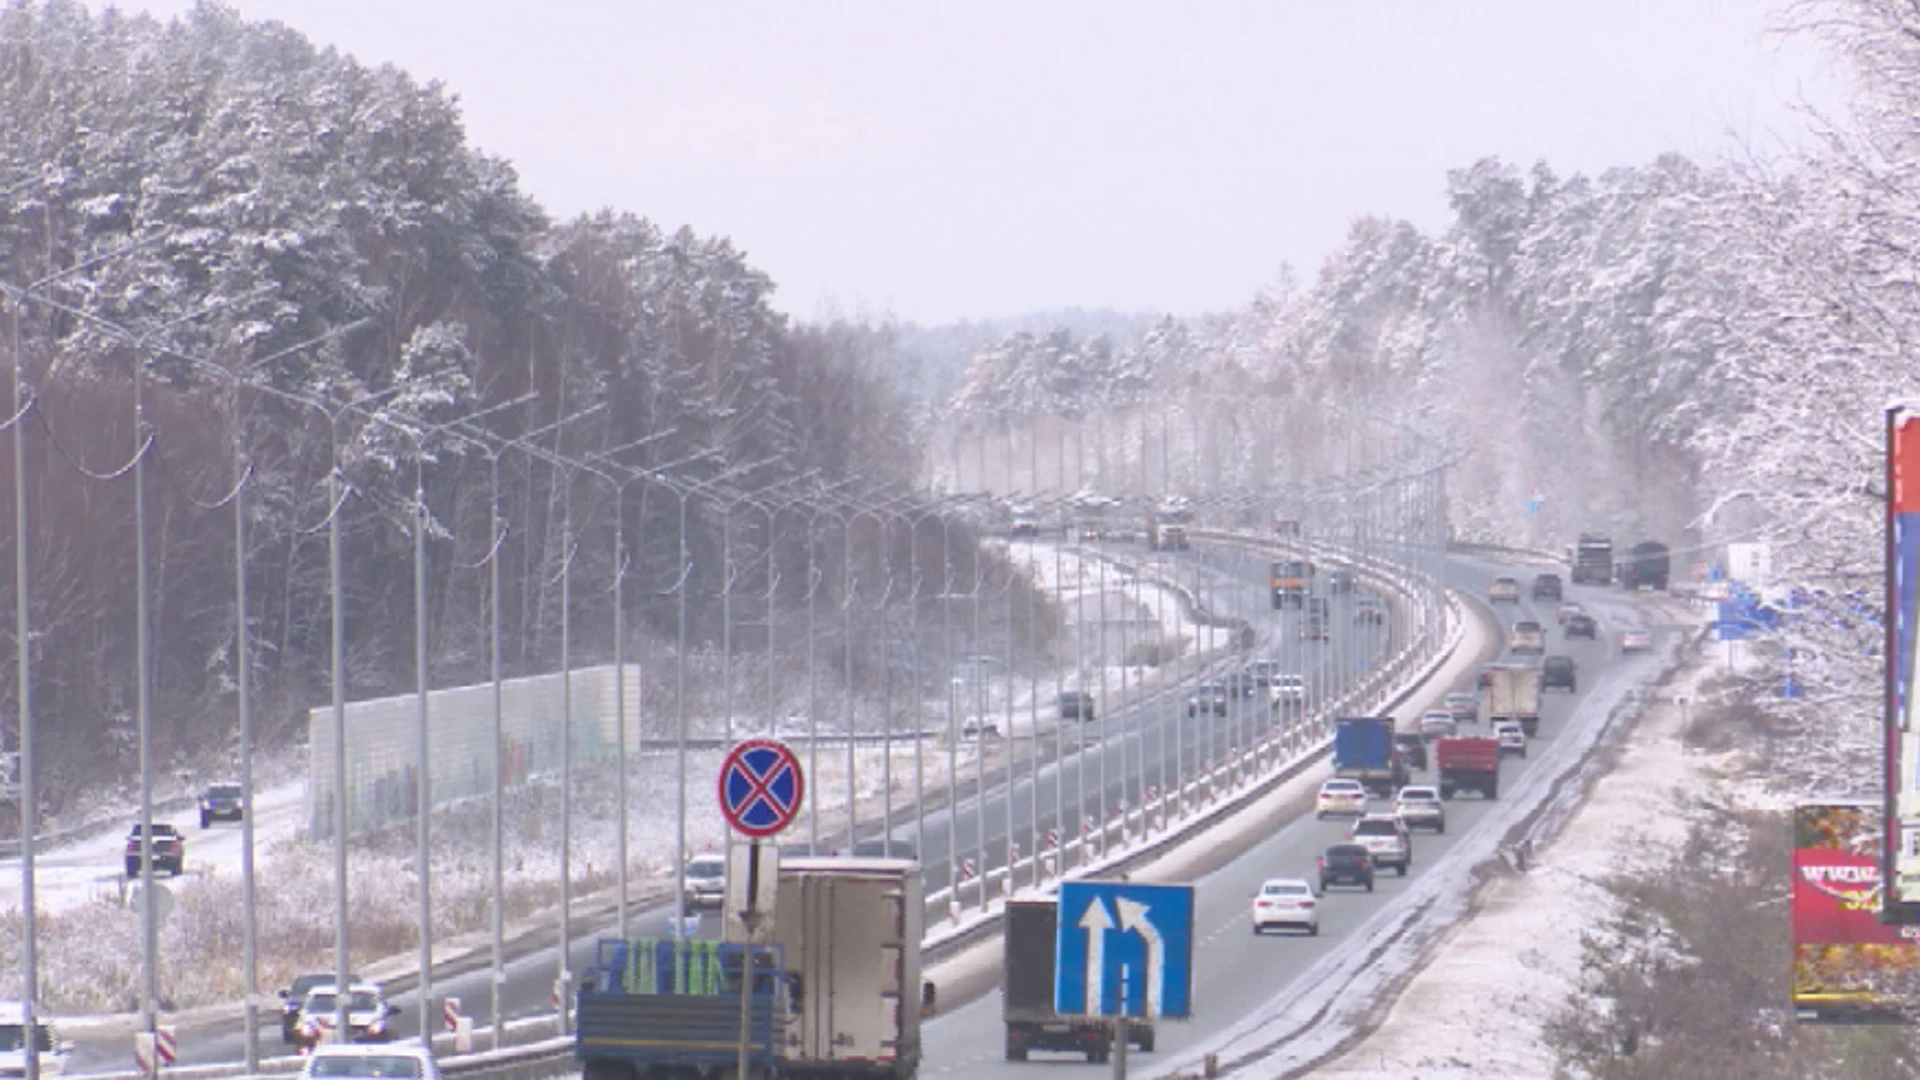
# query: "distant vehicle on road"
{"points": [[1346, 864], [1208, 697], [1264, 672], [1413, 749], [13, 1043], [1386, 838], [705, 882], [1464, 705], [1467, 764], [1503, 591], [1645, 566], [1340, 581], [1024, 529], [1340, 796], [1559, 673], [169, 850], [1438, 724], [1314, 628], [1581, 625], [295, 995], [1242, 684], [222, 802], [1369, 611], [1512, 738], [1286, 902], [1635, 641], [369, 1016], [1591, 559], [1546, 587], [1289, 692], [1076, 705], [1527, 638], [1421, 807], [353, 1061], [1567, 609]]}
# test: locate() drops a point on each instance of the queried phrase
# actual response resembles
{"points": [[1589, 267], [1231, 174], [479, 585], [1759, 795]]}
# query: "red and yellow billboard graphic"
{"points": [[1901, 902], [1848, 965]]}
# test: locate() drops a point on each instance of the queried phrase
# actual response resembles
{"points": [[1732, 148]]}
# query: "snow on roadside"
{"points": [[1443, 1025]]}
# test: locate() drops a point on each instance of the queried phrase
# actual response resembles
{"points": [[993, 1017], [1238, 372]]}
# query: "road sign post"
{"points": [[1124, 950], [761, 791]]}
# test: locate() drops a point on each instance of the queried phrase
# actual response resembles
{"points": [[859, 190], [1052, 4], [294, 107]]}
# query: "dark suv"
{"points": [[1348, 864], [1579, 625], [1076, 705], [1558, 673], [1546, 587], [223, 802], [169, 850]]}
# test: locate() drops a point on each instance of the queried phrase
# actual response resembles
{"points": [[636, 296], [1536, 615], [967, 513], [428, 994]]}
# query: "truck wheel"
{"points": [[1369, 884], [1440, 829], [1097, 1055], [1016, 1053], [1401, 870], [607, 1070], [1146, 1043]]}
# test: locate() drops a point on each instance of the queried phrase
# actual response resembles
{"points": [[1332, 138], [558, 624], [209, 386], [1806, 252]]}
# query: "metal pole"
{"points": [[846, 672], [149, 912], [23, 658], [680, 754], [953, 712], [423, 787], [497, 912], [336, 589], [564, 976], [620, 694], [813, 692]]}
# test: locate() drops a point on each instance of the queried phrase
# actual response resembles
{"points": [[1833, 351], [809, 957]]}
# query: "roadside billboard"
{"points": [[1902, 780], [1849, 967]]}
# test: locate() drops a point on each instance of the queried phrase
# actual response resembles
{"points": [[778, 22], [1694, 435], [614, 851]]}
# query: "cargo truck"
{"points": [[835, 993], [1467, 764], [1592, 561], [1511, 692], [1363, 750], [1290, 580], [1026, 995], [1645, 566]]}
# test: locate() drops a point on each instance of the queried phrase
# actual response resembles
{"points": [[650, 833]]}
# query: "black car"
{"points": [[295, 995], [1346, 864], [1558, 673], [1413, 748], [1546, 587], [1314, 628], [222, 802], [1076, 705], [1579, 625]]}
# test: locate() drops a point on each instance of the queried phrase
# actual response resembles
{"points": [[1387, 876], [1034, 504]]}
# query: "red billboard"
{"points": [[1848, 965], [1901, 851]]}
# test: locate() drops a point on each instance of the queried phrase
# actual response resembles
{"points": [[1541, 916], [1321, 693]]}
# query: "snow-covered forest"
{"points": [[223, 203], [1692, 351]]}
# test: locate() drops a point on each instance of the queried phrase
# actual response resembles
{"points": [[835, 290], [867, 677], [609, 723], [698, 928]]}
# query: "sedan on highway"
{"points": [[1568, 609], [1438, 724], [1504, 590], [1209, 697], [1286, 902], [1346, 864], [1420, 807], [1581, 624], [1340, 796], [1635, 641], [360, 1061], [1463, 705], [1512, 738]]}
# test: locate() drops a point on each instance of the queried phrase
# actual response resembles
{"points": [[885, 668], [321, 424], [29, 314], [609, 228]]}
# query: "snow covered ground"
{"points": [[1477, 1007], [89, 937]]}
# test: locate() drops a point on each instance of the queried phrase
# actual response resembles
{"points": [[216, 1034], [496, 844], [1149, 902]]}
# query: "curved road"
{"points": [[1236, 972]]}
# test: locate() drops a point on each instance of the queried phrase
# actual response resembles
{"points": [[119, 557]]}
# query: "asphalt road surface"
{"points": [[1236, 971], [1118, 755]]}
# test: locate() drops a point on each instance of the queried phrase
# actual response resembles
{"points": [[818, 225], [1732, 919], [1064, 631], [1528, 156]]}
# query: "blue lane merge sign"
{"points": [[1124, 949]]}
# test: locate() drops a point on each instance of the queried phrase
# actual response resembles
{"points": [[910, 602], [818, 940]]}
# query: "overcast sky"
{"points": [[940, 160]]}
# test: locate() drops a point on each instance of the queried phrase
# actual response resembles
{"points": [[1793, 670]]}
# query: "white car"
{"points": [[1512, 738], [1570, 608], [1285, 902], [1438, 724], [394, 1061], [1420, 807], [13, 1044], [1463, 706], [1632, 641], [1340, 796], [1386, 838], [705, 882], [369, 1016]]}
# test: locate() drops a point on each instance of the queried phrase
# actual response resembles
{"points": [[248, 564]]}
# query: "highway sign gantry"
{"points": [[761, 788], [1124, 950]]}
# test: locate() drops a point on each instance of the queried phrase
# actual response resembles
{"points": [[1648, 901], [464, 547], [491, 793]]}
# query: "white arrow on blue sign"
{"points": [[1124, 949]]}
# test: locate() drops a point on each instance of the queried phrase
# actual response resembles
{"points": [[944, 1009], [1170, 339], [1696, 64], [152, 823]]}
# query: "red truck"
{"points": [[1468, 764]]}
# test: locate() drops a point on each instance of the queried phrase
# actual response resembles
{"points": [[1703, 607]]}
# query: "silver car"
{"points": [[1463, 706]]}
